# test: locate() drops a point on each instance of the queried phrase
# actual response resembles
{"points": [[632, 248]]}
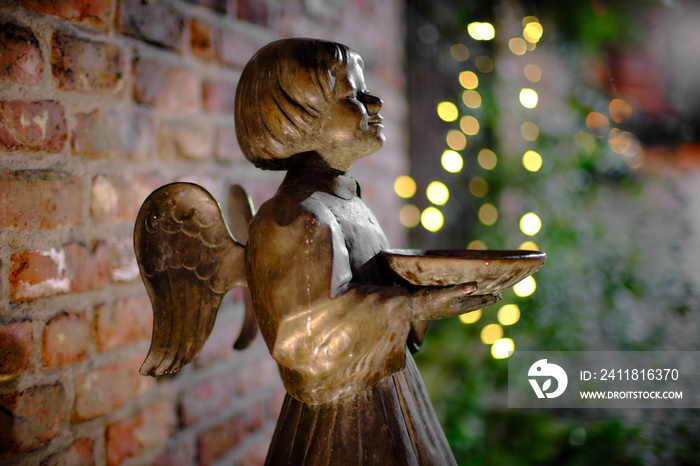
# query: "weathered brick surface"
{"points": [[34, 126], [122, 261], [30, 418], [203, 40], [94, 12], [176, 454], [165, 86], [83, 65], [99, 391], [236, 47], [106, 133], [87, 265], [218, 5], [15, 348], [148, 429], [219, 345], [185, 139], [65, 340], [206, 399], [227, 149], [80, 453], [156, 21], [118, 198], [21, 59], [37, 274], [219, 439], [36, 200], [255, 11], [219, 97], [128, 321]]}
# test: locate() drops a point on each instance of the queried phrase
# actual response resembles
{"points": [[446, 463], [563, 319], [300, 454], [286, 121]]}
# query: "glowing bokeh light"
{"points": [[471, 99], [532, 161], [477, 244], [529, 246], [456, 140], [529, 131], [405, 186], [470, 317], [533, 73], [620, 111], [432, 219], [525, 288], [469, 125], [488, 214], [530, 224], [452, 161], [491, 333], [620, 141], [530, 19], [468, 80], [528, 98], [484, 64], [598, 124], [459, 52], [437, 193], [532, 32], [487, 159], [481, 31], [478, 186], [586, 141], [634, 157], [509, 314], [502, 348], [517, 46], [409, 216], [447, 111]]}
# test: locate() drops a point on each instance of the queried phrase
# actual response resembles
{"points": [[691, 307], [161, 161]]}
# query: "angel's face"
{"points": [[351, 128]]}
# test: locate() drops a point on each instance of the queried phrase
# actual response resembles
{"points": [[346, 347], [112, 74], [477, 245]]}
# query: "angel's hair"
{"points": [[282, 92]]}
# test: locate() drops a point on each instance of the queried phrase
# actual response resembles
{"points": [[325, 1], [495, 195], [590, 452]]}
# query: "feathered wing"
{"points": [[188, 261]]}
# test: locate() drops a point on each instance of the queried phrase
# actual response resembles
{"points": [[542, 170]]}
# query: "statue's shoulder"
{"points": [[291, 210]]}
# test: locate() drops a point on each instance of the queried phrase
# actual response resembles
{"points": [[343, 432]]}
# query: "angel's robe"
{"points": [[338, 330]]}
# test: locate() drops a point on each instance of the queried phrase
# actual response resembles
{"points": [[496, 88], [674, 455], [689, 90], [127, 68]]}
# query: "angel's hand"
{"points": [[441, 303]]}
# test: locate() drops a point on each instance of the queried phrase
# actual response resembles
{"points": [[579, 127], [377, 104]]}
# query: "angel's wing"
{"points": [[188, 261]]}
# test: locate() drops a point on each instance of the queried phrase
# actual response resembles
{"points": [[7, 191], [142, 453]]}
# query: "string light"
{"points": [[525, 288], [478, 186], [620, 111], [484, 64], [481, 31], [532, 32], [409, 216], [405, 186], [471, 99], [437, 193], [432, 219], [509, 314], [529, 246], [491, 333], [487, 159], [532, 161], [533, 73], [502, 348], [468, 80], [530, 224], [452, 161], [517, 46], [470, 317], [447, 111], [598, 124], [488, 214], [456, 140], [477, 244], [528, 98], [459, 52], [469, 125]]}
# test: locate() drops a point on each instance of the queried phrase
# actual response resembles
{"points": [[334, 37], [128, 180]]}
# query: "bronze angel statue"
{"points": [[333, 318]]}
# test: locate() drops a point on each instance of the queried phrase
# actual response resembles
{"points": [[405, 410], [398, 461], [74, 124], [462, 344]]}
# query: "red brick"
{"points": [[207, 398], [218, 5], [31, 418], [219, 439], [203, 40], [149, 429], [256, 454], [94, 12], [155, 21], [227, 148], [21, 59], [118, 198], [36, 200], [219, 97], [219, 345], [236, 48], [87, 265], [129, 320], [101, 390], [86, 66], [176, 454], [187, 139], [265, 373], [80, 453], [122, 261], [105, 133], [65, 340], [15, 348], [34, 126], [254, 11], [37, 274], [164, 86]]}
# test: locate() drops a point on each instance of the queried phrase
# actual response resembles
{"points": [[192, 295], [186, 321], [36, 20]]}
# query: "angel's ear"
{"points": [[188, 261]]}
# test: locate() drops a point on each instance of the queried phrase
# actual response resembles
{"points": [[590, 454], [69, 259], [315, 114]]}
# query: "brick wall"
{"points": [[100, 103]]}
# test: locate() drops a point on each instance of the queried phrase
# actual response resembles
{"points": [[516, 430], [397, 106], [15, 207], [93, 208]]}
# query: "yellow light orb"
{"points": [[456, 139], [529, 246], [405, 186], [517, 46], [471, 99], [432, 219], [409, 216], [459, 52], [528, 98], [470, 317], [532, 161], [530, 131], [468, 80], [620, 141], [447, 111], [469, 125], [509, 314], [532, 32], [477, 244], [530, 224], [530, 19], [488, 214], [481, 31], [437, 193], [484, 64], [525, 287], [533, 73], [491, 333], [452, 161], [502, 348], [487, 159], [598, 124], [620, 111], [478, 186]]}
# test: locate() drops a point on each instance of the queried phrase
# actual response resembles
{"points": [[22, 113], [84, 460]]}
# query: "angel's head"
{"points": [[302, 97]]}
